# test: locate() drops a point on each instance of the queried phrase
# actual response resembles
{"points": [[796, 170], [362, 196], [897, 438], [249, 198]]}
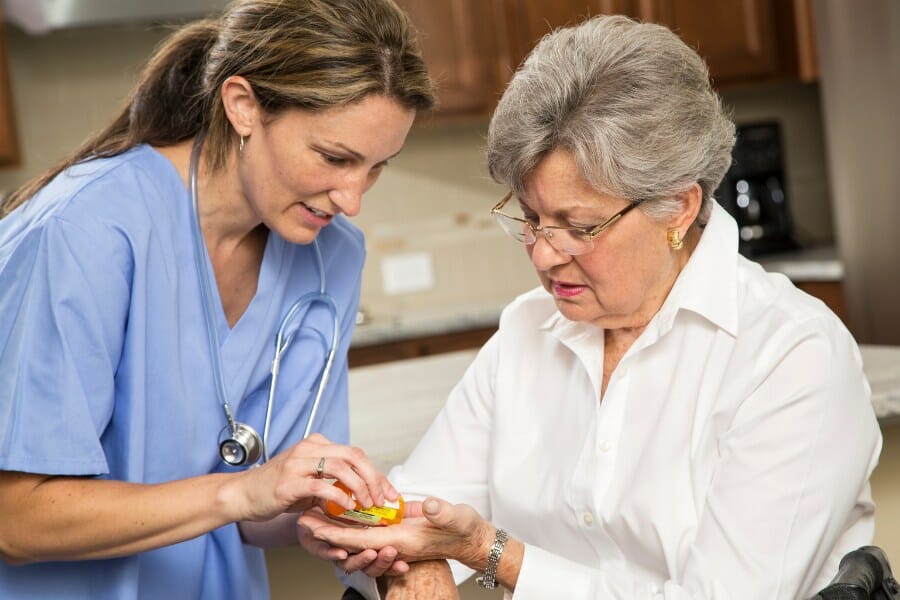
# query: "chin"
{"points": [[572, 311], [298, 235]]}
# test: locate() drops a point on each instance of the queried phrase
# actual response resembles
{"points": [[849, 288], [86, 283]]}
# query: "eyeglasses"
{"points": [[569, 239]]}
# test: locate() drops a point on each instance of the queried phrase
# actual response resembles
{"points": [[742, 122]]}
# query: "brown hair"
{"points": [[309, 54]]}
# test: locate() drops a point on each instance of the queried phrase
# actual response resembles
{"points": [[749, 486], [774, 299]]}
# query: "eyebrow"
{"points": [[562, 215], [359, 156]]}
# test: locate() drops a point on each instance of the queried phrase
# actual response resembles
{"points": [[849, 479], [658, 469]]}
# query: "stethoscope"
{"points": [[239, 443]]}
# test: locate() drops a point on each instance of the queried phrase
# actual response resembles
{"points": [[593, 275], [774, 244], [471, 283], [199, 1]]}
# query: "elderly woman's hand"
{"points": [[374, 563], [443, 531]]}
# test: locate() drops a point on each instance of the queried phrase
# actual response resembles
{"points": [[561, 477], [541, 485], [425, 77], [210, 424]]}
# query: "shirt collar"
{"points": [[707, 285]]}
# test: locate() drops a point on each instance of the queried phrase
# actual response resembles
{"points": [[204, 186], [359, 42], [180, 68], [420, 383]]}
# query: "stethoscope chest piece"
{"points": [[243, 446]]}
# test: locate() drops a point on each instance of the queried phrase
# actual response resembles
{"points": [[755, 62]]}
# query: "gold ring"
{"points": [[320, 468]]}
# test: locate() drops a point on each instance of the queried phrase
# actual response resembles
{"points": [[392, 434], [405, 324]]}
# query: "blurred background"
{"points": [[812, 85]]}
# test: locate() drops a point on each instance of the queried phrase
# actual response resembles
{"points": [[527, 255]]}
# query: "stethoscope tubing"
{"points": [[282, 339], [281, 344], [203, 276]]}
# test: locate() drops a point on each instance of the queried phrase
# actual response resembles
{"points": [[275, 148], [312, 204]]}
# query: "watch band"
{"points": [[488, 581]]}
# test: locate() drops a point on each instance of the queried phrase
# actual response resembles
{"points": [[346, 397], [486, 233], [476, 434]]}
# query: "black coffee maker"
{"points": [[753, 191]]}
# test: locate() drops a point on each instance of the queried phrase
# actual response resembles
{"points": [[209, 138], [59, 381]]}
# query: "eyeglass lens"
{"points": [[570, 241]]}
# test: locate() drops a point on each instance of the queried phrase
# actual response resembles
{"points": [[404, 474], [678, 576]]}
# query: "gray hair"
{"points": [[630, 101]]}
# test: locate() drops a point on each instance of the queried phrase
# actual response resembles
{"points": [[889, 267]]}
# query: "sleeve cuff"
{"points": [[542, 572]]}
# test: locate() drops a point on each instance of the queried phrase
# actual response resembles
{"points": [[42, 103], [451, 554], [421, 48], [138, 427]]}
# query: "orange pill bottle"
{"points": [[391, 513]]}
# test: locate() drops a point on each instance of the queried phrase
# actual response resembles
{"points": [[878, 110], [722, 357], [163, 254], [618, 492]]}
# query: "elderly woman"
{"points": [[661, 418]]}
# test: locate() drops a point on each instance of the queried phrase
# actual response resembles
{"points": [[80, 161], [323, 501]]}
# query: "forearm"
{"points": [[66, 518], [430, 579]]}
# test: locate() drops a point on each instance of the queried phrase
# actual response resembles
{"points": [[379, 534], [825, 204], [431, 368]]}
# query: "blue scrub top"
{"points": [[105, 366]]}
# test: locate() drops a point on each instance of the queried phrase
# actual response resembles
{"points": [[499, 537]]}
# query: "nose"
{"points": [[544, 255], [347, 196]]}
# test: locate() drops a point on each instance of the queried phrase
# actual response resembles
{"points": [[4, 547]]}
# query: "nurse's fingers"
{"points": [[357, 562], [386, 564], [318, 548], [322, 446], [354, 468], [345, 472], [322, 550], [374, 564]]}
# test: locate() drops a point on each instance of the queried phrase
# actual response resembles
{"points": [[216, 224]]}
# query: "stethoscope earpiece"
{"points": [[240, 447]]}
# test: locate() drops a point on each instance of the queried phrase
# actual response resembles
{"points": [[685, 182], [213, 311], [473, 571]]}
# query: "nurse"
{"points": [[141, 293]]}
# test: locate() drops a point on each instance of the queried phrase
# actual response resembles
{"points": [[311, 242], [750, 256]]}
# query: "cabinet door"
{"points": [[9, 147], [459, 44], [529, 20], [738, 38]]}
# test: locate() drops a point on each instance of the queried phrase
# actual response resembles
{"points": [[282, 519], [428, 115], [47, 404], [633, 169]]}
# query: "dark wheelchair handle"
{"points": [[863, 574]]}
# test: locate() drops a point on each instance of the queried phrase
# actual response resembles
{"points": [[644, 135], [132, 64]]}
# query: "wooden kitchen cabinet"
{"points": [[829, 292], [472, 47], [527, 21], [460, 42], [743, 41], [9, 145]]}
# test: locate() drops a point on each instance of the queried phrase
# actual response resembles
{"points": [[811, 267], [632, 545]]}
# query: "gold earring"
{"points": [[673, 236], [241, 147]]}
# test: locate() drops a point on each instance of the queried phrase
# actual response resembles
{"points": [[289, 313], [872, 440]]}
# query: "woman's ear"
{"points": [[691, 201], [240, 104]]}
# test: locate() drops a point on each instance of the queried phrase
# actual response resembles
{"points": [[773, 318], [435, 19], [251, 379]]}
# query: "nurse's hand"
{"points": [[290, 481], [373, 563]]}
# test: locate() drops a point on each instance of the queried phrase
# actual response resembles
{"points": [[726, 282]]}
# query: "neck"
{"points": [[226, 218], [655, 298]]}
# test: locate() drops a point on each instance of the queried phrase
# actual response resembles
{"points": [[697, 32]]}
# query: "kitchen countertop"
{"points": [[882, 367], [820, 263], [411, 324], [812, 264], [392, 404]]}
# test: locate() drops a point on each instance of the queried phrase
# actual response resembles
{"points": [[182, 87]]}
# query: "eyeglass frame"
{"points": [[592, 231]]}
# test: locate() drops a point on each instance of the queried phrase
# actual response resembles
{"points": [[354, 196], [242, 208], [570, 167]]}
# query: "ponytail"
{"points": [[166, 106], [306, 54]]}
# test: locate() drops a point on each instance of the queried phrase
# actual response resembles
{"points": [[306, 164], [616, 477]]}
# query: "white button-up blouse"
{"points": [[728, 458]]}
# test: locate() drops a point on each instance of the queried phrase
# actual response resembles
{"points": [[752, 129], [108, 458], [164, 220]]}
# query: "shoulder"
{"points": [[104, 190], [103, 202], [770, 301], [776, 319]]}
